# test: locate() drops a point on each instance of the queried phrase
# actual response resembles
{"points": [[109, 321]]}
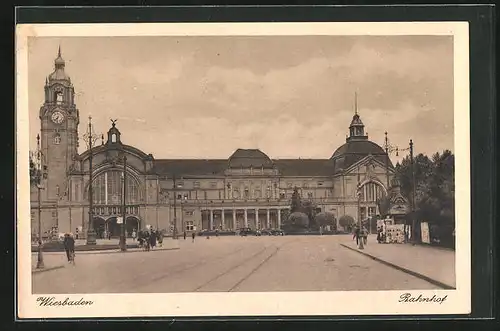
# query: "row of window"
{"points": [[108, 188], [213, 185]]}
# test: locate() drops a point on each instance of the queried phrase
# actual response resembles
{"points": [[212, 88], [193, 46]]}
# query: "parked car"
{"points": [[248, 232], [277, 232], [266, 232]]}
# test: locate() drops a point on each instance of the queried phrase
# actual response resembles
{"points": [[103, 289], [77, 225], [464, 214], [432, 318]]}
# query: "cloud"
{"points": [[294, 96]]}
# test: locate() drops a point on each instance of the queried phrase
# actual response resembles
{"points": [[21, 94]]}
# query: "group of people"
{"points": [[360, 234], [148, 238], [193, 235]]}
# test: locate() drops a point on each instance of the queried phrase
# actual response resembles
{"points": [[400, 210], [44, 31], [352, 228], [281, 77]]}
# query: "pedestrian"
{"points": [[357, 232], [147, 240], [160, 238], [152, 239], [134, 235], [76, 233], [184, 235], [69, 245], [364, 235], [193, 235]]}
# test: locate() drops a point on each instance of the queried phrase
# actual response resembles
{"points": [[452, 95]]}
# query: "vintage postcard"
{"points": [[242, 169]]}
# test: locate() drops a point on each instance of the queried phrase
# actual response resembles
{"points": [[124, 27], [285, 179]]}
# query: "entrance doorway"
{"points": [[113, 227], [132, 223], [99, 226]]}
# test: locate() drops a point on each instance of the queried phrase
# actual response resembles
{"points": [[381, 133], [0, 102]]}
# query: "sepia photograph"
{"points": [[227, 169]]}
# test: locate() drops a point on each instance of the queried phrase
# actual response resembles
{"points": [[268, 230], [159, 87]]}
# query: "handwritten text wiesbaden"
{"points": [[51, 301]]}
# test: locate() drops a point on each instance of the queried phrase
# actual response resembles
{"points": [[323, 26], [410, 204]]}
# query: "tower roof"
{"points": [[59, 61], [59, 73]]}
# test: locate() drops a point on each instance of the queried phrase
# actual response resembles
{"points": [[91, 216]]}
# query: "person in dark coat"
{"points": [[69, 245], [193, 235], [152, 239], [357, 234], [184, 235], [160, 238]]}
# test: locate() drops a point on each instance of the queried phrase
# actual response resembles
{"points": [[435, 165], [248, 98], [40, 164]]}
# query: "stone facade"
{"points": [[247, 189]]}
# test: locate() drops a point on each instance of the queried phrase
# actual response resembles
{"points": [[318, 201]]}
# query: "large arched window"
{"points": [[371, 192], [108, 188]]}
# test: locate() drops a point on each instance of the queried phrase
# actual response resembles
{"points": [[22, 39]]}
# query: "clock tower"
{"points": [[59, 130]]}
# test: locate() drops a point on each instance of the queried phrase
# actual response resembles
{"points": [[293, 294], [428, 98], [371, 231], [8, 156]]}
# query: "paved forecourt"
{"points": [[222, 264]]}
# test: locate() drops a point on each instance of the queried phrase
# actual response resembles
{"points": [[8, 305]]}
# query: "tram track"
{"points": [[232, 268]]}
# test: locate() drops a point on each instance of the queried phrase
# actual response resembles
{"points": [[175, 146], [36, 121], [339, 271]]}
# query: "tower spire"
{"points": [[59, 61], [355, 102]]}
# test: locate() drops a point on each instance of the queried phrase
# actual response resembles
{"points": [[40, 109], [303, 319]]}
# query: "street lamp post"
{"points": [[360, 224], [39, 263], [413, 185], [58, 197], [90, 138], [38, 179], [389, 149], [174, 234], [123, 238]]}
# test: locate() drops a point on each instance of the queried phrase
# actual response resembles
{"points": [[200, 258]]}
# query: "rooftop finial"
{"points": [[355, 103], [59, 61]]}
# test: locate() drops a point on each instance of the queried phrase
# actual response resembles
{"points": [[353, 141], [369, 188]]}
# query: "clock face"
{"points": [[57, 117]]}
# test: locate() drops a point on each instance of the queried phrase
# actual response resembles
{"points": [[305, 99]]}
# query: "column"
{"points": [[211, 219], [234, 219], [246, 218], [268, 222], [222, 219], [279, 218], [257, 225]]}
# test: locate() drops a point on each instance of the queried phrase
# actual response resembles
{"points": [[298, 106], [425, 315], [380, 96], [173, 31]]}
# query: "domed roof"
{"points": [[246, 158], [354, 150], [59, 73], [364, 147]]}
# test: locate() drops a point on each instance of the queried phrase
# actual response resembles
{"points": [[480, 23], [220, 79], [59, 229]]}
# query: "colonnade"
{"points": [[275, 223]]}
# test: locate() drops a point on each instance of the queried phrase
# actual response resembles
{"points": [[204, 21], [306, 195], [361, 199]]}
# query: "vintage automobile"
{"points": [[247, 232], [277, 232]]}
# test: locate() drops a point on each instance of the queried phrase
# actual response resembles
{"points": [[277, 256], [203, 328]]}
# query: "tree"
{"points": [[296, 205], [346, 221], [35, 173], [309, 209], [297, 221], [326, 218], [434, 188]]}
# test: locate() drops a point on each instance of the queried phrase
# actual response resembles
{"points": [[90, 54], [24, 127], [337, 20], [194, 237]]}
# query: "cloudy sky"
{"points": [[292, 96]]}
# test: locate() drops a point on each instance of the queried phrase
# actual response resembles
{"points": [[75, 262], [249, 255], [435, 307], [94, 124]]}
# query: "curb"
{"points": [[112, 251], [408, 271], [37, 271], [137, 250]]}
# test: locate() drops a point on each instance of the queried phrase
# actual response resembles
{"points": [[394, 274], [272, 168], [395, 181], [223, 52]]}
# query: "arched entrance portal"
{"points": [[113, 227], [132, 223], [99, 225]]}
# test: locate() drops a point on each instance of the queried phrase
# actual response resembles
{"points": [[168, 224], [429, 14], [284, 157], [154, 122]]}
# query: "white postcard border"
{"points": [[249, 304]]}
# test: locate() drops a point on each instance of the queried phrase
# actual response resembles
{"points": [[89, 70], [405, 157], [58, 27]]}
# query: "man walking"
{"points": [[357, 233], [69, 246], [193, 235]]}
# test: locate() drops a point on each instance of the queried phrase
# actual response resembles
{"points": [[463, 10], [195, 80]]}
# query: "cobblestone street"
{"points": [[243, 264]]}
